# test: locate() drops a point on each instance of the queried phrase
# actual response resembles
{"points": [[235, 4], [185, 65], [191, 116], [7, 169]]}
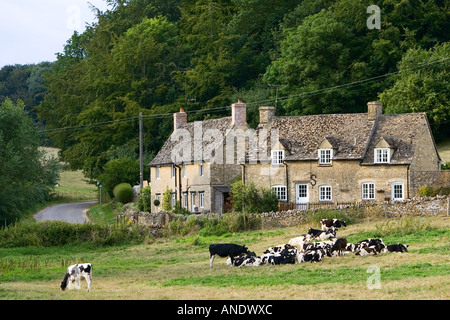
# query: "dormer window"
{"points": [[382, 155], [277, 157], [325, 156]]}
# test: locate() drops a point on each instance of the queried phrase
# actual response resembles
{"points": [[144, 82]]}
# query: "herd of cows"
{"points": [[304, 248], [300, 249]]}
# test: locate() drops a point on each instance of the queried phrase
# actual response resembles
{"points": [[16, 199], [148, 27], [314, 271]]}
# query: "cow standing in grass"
{"points": [[75, 273], [225, 250]]}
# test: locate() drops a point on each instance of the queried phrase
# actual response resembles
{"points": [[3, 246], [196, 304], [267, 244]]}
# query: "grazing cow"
{"points": [[321, 234], [339, 246], [329, 223], [311, 256], [396, 248], [299, 242], [225, 250], [75, 273]]}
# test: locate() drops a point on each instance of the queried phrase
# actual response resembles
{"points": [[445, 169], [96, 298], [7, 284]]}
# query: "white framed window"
{"points": [[277, 157], [325, 193], [201, 199], [398, 191], [368, 191], [382, 155], [325, 156], [280, 191], [157, 172], [174, 171], [200, 169]]}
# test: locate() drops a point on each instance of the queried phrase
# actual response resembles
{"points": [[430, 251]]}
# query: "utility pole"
{"points": [[276, 92], [141, 161]]}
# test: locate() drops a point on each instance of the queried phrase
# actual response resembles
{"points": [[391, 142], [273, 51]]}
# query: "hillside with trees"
{"points": [[316, 56]]}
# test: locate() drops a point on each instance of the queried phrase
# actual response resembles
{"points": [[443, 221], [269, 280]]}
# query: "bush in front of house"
{"points": [[144, 200], [123, 192]]}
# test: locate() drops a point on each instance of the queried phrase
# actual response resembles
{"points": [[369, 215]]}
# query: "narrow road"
{"points": [[70, 212]]}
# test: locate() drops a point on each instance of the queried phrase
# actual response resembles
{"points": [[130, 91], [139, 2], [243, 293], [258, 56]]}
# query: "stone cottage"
{"points": [[343, 157], [193, 162]]}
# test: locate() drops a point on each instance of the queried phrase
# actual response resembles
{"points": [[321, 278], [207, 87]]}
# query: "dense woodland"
{"points": [[155, 56]]}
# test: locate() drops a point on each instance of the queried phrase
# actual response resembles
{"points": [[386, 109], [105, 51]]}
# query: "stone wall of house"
{"points": [[429, 178]]}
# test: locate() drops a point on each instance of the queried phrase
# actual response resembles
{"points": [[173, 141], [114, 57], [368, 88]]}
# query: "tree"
{"points": [[26, 178], [422, 85]]}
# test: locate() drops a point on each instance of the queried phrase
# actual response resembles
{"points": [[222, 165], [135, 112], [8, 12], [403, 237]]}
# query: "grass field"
{"points": [[178, 268], [444, 150]]}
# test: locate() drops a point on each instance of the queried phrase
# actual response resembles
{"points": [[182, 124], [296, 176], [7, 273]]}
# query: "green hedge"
{"points": [[59, 233]]}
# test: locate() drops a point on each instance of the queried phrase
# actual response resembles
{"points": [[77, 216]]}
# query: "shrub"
{"points": [[248, 198], [123, 192], [144, 200], [167, 200], [425, 191]]}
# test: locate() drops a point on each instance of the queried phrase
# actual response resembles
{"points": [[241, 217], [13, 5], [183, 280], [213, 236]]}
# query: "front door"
{"points": [[302, 195]]}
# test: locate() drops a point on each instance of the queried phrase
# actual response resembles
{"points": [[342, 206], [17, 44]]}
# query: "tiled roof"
{"points": [[164, 155], [302, 135], [400, 131]]}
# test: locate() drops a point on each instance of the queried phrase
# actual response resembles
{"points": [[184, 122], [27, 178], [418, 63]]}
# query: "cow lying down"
{"points": [[75, 273], [248, 260]]}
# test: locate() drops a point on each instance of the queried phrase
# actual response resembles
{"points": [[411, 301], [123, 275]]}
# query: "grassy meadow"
{"points": [[178, 267]]}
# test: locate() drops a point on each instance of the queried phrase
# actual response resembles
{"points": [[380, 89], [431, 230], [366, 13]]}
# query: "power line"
{"points": [[218, 109]]}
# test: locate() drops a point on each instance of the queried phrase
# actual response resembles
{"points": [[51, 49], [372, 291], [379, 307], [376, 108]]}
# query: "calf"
{"points": [[321, 234], [377, 244], [225, 250], [329, 223], [396, 248], [75, 273]]}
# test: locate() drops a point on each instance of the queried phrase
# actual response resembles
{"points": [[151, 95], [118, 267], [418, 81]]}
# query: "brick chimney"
{"points": [[266, 114], [179, 118], [374, 110], [239, 114]]}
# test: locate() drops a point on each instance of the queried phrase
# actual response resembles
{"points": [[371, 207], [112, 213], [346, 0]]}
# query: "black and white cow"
{"points": [[399, 247], [329, 223], [322, 234], [311, 256], [75, 273], [288, 255], [250, 260], [279, 248], [225, 250], [369, 246]]}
